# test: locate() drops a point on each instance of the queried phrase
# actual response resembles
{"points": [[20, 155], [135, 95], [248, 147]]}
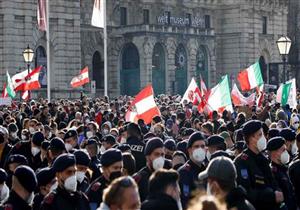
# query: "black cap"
{"points": [[273, 132], [70, 133], [153, 144], [20, 159], [196, 136], [182, 145], [240, 145], [188, 132], [38, 138], [82, 158], [238, 135], [170, 144], [110, 139], [57, 144], [45, 176], [251, 127], [91, 141], [215, 140], [45, 145], [26, 178], [288, 134], [63, 162], [219, 153], [3, 175], [110, 157], [275, 143]]}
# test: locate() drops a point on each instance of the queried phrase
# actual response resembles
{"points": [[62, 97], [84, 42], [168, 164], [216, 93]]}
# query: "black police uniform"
{"points": [[84, 185], [254, 174], [142, 180], [159, 202], [5, 155], [294, 174], [137, 147], [236, 199], [188, 174], [37, 201], [95, 167], [62, 199], [95, 191], [15, 202], [280, 173]]}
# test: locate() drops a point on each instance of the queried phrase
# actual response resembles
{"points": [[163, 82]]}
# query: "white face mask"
{"points": [[285, 157], [199, 155], [69, 147], [294, 149], [80, 176], [71, 184], [105, 131], [14, 134], [53, 187], [35, 151], [49, 135], [208, 155], [102, 149], [261, 144], [23, 137], [158, 163], [31, 130], [4, 193], [89, 134]]}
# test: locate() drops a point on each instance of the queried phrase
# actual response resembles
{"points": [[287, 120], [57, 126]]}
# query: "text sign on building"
{"points": [[198, 22]]}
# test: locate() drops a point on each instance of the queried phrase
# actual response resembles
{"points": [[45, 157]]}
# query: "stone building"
{"points": [[165, 43]]}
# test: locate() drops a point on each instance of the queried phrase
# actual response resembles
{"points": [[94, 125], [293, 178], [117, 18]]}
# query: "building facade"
{"points": [[164, 43]]}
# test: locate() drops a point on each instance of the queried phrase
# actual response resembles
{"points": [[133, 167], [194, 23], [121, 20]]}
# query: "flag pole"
{"points": [[105, 50], [48, 50]]}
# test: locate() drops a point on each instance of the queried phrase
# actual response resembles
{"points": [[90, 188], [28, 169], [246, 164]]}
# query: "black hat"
{"points": [[38, 138], [26, 178], [288, 134], [91, 141], [45, 145], [57, 144], [219, 153], [82, 158], [240, 145], [215, 140], [251, 127], [170, 144], [238, 135], [149, 135], [110, 139], [45, 176], [12, 127], [21, 159], [196, 136], [275, 143], [273, 132], [153, 144], [63, 162], [188, 132], [70, 133], [182, 145], [123, 147], [110, 157], [3, 175]]}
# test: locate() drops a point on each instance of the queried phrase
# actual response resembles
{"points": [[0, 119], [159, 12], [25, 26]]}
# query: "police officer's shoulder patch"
{"points": [[8, 207], [96, 186], [49, 198], [137, 178], [244, 156], [244, 173], [18, 145]]}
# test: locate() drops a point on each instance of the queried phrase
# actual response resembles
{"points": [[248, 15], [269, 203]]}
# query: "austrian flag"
{"points": [[81, 79]]}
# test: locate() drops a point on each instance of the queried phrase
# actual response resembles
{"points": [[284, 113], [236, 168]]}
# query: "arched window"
{"points": [[41, 60], [202, 65], [181, 70], [158, 69], [98, 70]]}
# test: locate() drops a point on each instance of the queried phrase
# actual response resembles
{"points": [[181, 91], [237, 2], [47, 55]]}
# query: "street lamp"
{"points": [[284, 45], [28, 55]]}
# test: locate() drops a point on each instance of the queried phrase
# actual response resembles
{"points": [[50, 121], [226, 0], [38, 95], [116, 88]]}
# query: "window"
{"points": [[189, 17], [264, 24], [146, 16], [123, 16], [207, 21]]}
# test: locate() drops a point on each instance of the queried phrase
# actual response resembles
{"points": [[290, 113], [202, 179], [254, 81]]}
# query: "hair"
{"points": [[179, 153], [209, 126], [161, 179], [206, 203], [129, 163], [225, 185]]}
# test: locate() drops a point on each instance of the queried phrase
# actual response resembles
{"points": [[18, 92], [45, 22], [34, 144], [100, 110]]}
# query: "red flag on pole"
{"points": [[4, 91], [41, 15], [81, 79]]}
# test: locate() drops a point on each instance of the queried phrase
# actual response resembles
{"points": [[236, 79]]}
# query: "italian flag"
{"points": [[251, 77], [9, 86], [287, 94], [220, 98]]}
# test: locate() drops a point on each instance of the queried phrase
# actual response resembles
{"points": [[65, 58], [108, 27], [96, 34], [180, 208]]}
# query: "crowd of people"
{"points": [[82, 154]]}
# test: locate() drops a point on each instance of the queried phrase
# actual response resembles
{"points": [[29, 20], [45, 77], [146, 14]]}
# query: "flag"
{"points": [[81, 79], [41, 15], [143, 106], [260, 95], [219, 98], [251, 77], [4, 91], [9, 86], [203, 87], [286, 94], [98, 14], [192, 94], [24, 81], [238, 99], [25, 95]]}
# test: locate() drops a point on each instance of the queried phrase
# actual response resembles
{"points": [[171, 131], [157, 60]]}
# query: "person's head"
{"points": [[277, 151], [13, 130], [290, 140], [46, 180], [254, 136], [220, 175], [155, 153], [170, 148], [111, 164], [228, 140], [56, 148], [92, 147], [108, 141], [178, 159], [36, 143], [82, 164], [207, 128], [64, 167], [33, 126], [133, 130], [122, 193], [14, 161], [215, 143], [207, 203], [295, 121], [4, 190], [129, 164], [71, 139], [196, 148], [4, 135]]}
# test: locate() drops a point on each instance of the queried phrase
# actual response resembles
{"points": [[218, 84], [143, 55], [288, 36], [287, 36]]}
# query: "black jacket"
{"points": [[294, 174], [137, 147], [95, 191], [159, 202], [142, 179], [236, 199], [15, 202]]}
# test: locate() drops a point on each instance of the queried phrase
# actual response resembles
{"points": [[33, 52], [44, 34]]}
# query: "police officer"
{"points": [[5, 148], [12, 163], [279, 159], [188, 173], [111, 165], [23, 185], [215, 143], [290, 141], [82, 164], [254, 172], [155, 156], [71, 140], [294, 172], [66, 194], [55, 149], [92, 148]]}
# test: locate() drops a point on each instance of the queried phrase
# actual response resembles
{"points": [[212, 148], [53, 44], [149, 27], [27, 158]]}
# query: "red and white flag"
{"points": [[4, 91], [192, 94], [238, 99], [143, 106], [260, 95], [203, 87], [41, 15], [24, 81], [25, 95], [81, 79], [98, 14]]}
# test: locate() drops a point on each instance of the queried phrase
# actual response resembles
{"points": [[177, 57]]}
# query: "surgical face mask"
{"points": [[71, 184], [208, 155], [23, 137], [49, 135], [261, 144], [294, 149], [80, 176], [285, 157], [102, 149], [158, 163], [14, 134], [199, 155], [105, 131], [89, 134], [31, 130], [35, 151], [4, 193], [69, 147], [54, 186]]}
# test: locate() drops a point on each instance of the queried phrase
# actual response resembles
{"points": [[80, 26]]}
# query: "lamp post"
{"points": [[28, 57], [284, 45]]}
